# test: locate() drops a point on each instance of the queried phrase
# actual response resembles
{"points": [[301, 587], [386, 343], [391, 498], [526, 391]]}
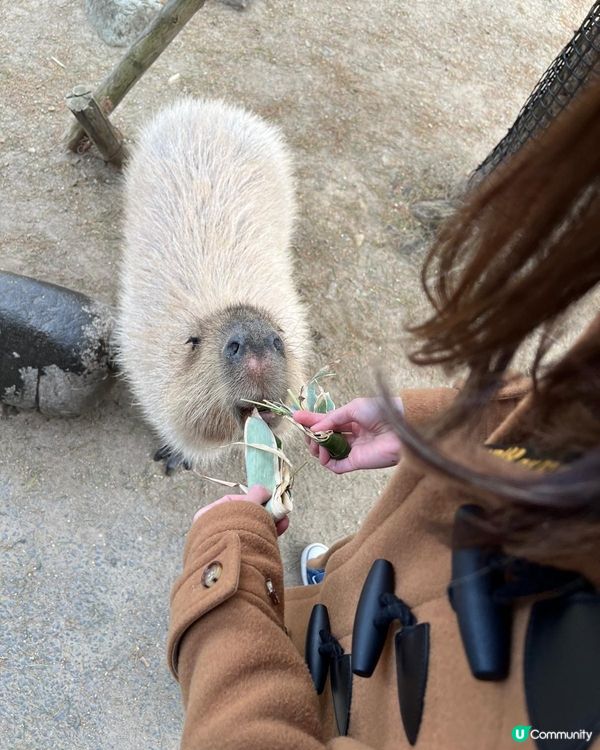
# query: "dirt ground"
{"points": [[384, 103]]}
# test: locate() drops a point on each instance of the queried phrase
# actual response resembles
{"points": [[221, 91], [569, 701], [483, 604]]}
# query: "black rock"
{"points": [[54, 346]]}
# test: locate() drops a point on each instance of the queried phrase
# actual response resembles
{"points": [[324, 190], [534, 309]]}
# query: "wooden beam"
{"points": [[139, 57], [96, 125]]}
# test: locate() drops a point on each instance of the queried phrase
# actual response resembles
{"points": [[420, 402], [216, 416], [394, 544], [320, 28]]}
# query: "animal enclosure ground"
{"points": [[384, 103]]}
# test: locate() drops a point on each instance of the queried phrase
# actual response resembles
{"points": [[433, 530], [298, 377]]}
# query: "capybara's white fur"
{"points": [[208, 220]]}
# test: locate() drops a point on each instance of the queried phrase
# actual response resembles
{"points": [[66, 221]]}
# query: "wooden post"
{"points": [[139, 57], [97, 125]]}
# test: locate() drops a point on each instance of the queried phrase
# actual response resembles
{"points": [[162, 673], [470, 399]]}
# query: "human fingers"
{"points": [[306, 418], [256, 494], [363, 415], [259, 495], [221, 501], [361, 410], [321, 422]]}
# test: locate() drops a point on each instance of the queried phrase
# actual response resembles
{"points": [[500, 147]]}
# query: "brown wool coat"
{"points": [[243, 677]]}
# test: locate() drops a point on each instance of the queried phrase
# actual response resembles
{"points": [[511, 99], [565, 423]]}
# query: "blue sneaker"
{"points": [[312, 575]]}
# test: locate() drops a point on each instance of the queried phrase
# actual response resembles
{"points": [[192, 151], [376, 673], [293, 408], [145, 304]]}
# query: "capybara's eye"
{"points": [[194, 341]]}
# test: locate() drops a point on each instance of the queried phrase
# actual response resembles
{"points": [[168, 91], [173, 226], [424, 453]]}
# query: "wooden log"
{"points": [[96, 124], [139, 57]]}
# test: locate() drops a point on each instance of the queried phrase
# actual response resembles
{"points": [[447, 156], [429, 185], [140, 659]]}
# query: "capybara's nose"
{"points": [[252, 339], [235, 347], [276, 343]]}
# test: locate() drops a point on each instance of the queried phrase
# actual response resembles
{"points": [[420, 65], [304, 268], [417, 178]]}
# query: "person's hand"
{"points": [[373, 443], [256, 494]]}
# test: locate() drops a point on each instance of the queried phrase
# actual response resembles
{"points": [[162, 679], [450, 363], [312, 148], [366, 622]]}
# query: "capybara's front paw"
{"points": [[172, 459]]}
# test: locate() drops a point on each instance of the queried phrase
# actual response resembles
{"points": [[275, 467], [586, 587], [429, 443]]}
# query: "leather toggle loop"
{"points": [[412, 667], [393, 608], [324, 655], [378, 607], [340, 676], [411, 643], [330, 646]]}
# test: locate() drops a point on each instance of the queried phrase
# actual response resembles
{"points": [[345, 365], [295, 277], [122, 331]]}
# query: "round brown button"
{"points": [[211, 574]]}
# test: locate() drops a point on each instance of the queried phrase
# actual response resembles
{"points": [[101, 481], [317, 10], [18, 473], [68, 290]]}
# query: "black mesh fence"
{"points": [[570, 70]]}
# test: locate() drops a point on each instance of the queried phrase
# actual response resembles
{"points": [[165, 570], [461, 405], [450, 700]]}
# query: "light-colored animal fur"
{"points": [[209, 215]]}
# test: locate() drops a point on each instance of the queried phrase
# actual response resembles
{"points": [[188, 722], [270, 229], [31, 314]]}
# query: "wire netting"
{"points": [[569, 71]]}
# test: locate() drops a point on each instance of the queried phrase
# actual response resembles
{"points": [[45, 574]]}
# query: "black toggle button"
{"points": [[369, 634], [378, 607], [316, 660], [412, 667], [485, 624]]}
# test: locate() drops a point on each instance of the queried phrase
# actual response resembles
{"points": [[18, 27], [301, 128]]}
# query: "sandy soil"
{"points": [[384, 102]]}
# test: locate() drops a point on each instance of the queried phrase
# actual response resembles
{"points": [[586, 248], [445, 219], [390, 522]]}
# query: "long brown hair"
{"points": [[523, 248]]}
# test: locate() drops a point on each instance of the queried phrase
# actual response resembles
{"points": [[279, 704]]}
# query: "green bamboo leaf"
{"points": [[276, 408], [294, 399], [262, 466], [312, 395], [323, 403]]}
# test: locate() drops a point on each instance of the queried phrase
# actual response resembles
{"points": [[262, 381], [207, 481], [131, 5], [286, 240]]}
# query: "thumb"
{"points": [[258, 494]]}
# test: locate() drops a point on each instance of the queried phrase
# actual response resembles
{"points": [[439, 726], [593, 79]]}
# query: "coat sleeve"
{"points": [[244, 684]]}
